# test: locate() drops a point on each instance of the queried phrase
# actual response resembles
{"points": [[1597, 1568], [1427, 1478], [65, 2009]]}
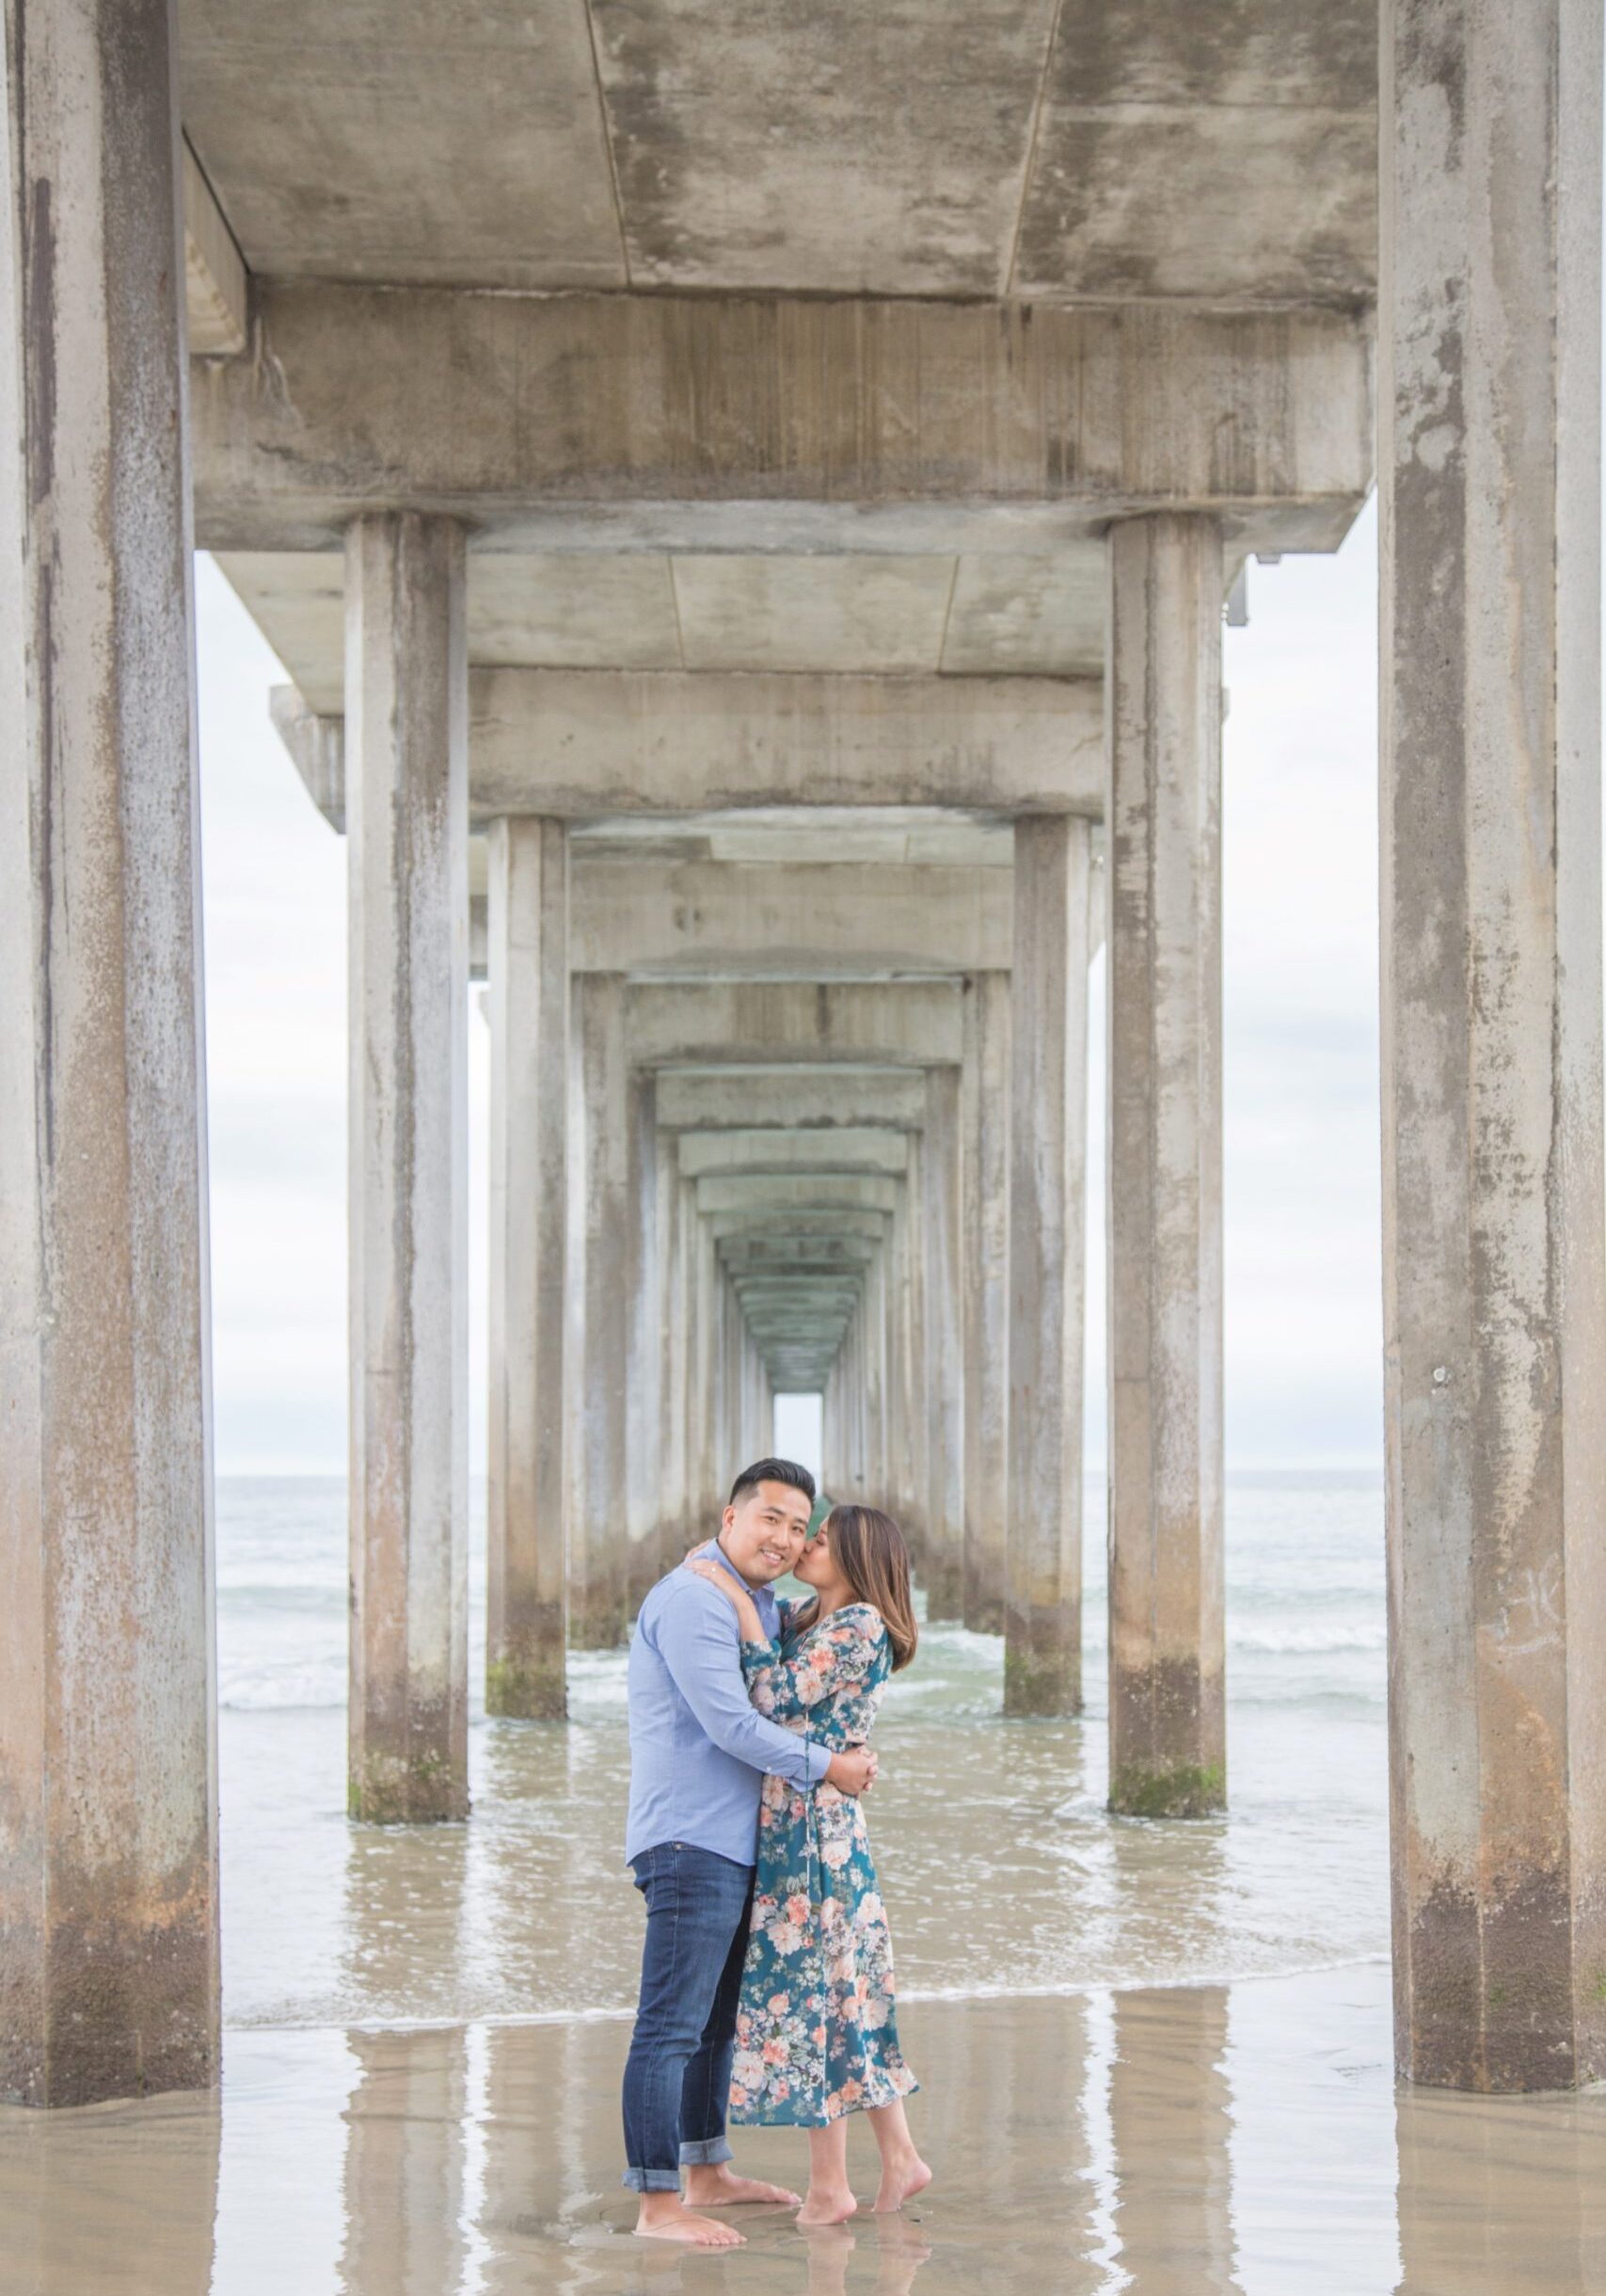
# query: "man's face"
{"points": [[763, 1534]]}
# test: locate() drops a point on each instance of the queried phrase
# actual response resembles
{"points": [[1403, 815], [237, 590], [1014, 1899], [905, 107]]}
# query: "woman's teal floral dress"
{"points": [[815, 2035]]}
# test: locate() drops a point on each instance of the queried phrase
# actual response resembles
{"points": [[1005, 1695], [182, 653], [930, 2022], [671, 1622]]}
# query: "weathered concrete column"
{"points": [[671, 1337], [711, 1479], [644, 1358], [407, 831], [526, 1498], [1494, 1315], [985, 1094], [941, 1161], [108, 1919], [1042, 1623], [601, 1254], [1163, 708]]}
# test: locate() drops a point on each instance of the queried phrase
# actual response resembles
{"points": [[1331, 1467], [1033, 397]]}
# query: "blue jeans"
{"points": [[677, 2073]]}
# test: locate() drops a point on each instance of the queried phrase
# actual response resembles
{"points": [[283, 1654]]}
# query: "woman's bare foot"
{"points": [[826, 2205], [900, 2180], [663, 2218], [718, 2186]]}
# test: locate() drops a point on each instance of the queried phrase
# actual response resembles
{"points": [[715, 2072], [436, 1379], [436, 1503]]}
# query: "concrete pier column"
{"points": [[108, 1770], [602, 1250], [406, 752], [1494, 1289], [1163, 816], [1042, 1623], [941, 1178], [526, 1496], [643, 1333], [670, 1337], [710, 1480], [985, 1105]]}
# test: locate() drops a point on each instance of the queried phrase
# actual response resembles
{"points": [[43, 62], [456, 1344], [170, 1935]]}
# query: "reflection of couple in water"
{"points": [[767, 1987]]}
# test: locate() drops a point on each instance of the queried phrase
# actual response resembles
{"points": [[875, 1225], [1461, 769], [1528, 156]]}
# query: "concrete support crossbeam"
{"points": [[1167, 1712], [108, 1908], [1048, 1116], [806, 921], [793, 1025], [1495, 1269], [580, 744], [711, 423], [833, 1103], [407, 722], [840, 1148], [527, 1588]]}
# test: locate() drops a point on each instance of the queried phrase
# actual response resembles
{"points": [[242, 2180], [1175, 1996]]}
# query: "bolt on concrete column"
{"points": [[1163, 816], [941, 1174], [1494, 1289], [406, 826], [108, 1764], [985, 1097], [601, 1252], [527, 1617], [1048, 1129]]}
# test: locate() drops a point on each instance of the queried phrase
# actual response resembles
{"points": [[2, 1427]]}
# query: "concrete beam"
{"points": [[854, 1147], [780, 1024], [628, 422], [602, 741], [799, 1192], [217, 283], [766, 1223], [787, 1101], [576, 744], [743, 921]]}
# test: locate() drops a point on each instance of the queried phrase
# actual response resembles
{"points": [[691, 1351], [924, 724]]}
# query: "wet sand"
{"points": [[1194, 2138]]}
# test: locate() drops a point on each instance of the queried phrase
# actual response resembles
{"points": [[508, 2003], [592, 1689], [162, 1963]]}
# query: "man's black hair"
{"points": [[772, 1471]]}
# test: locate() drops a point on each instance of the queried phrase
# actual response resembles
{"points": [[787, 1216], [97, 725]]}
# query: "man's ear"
{"points": [[727, 1518]]}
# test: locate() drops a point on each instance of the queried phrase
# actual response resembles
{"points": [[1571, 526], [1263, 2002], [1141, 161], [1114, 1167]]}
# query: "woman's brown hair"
{"points": [[869, 1550]]}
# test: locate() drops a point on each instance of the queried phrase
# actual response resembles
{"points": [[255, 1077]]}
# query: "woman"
{"points": [[816, 2037]]}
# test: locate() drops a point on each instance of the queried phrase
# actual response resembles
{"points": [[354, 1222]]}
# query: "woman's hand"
{"points": [[697, 1561], [739, 1598]]}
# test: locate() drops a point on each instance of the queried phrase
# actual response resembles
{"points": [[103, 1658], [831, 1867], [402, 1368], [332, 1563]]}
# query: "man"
{"points": [[698, 1756]]}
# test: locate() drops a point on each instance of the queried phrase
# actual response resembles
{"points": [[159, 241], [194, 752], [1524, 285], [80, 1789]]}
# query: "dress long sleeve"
{"points": [[826, 1681]]}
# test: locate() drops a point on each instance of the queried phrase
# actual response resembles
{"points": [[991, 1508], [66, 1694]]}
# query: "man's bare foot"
{"points": [[826, 2207], [900, 2181], [663, 2218], [718, 2186]]}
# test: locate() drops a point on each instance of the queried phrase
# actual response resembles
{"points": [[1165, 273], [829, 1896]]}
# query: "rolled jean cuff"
{"points": [[651, 2179], [707, 2152]]}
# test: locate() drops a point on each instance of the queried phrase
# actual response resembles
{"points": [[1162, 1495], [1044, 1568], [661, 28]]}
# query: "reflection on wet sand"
{"points": [[114, 2196], [1169, 2120], [1238, 2141], [1502, 2193]]}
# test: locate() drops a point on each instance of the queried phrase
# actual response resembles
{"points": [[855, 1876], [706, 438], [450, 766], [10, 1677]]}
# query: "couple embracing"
{"points": [[767, 1985]]}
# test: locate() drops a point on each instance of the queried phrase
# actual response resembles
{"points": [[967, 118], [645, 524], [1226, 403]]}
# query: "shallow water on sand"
{"points": [[1001, 1868], [1155, 2058], [1202, 2141]]}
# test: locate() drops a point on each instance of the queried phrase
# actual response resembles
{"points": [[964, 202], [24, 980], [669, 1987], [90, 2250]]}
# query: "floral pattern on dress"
{"points": [[815, 2034]]}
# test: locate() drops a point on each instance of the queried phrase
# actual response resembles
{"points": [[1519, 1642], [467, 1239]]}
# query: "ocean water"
{"points": [[1003, 1871]]}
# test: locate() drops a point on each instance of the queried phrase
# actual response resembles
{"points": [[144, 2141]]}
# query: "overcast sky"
{"points": [[1303, 1301]]}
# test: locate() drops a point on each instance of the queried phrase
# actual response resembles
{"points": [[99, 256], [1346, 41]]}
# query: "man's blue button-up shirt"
{"points": [[698, 1751]]}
